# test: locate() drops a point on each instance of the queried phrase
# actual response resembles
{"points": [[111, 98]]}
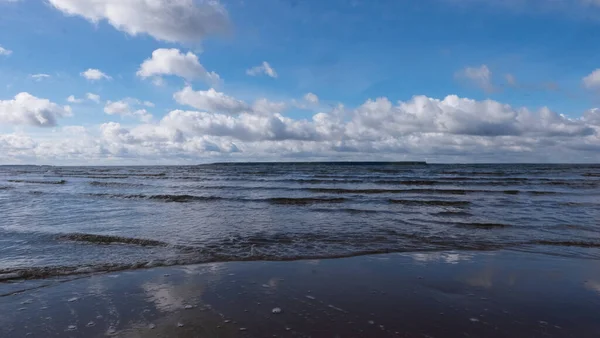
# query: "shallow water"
{"points": [[68, 220]]}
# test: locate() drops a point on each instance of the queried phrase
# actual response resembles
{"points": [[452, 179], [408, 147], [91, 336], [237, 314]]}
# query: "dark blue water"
{"points": [[66, 220]]}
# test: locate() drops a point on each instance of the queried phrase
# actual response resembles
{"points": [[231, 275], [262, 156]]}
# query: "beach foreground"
{"points": [[436, 294]]}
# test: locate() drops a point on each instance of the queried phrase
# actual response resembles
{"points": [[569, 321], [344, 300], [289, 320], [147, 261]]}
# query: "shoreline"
{"points": [[424, 294]]}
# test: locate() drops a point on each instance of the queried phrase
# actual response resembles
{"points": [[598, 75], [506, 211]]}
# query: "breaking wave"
{"points": [[278, 247]]}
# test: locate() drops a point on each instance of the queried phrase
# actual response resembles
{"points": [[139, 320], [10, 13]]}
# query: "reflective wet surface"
{"points": [[433, 294]]}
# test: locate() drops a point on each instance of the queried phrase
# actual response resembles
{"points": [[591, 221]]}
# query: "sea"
{"points": [[62, 221]]}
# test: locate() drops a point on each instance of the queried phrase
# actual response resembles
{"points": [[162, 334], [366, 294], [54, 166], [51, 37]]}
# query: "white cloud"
{"points": [[593, 80], [123, 108], [460, 116], [39, 77], [72, 99], [210, 100], [4, 51], [95, 74], [93, 97], [311, 98], [148, 104], [480, 76], [592, 116], [217, 102], [244, 127], [264, 68], [266, 107], [117, 108], [158, 81], [173, 62], [166, 20], [309, 101], [26, 109], [450, 129]]}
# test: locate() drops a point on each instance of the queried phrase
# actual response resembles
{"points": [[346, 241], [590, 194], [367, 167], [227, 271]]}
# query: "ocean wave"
{"points": [[115, 184], [162, 198], [477, 173], [431, 203], [409, 182], [351, 210], [541, 193], [394, 191], [38, 182], [482, 225], [107, 239], [571, 243], [449, 213], [282, 247], [303, 200]]}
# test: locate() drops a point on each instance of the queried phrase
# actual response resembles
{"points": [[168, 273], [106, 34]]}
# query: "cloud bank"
{"points": [[452, 129]]}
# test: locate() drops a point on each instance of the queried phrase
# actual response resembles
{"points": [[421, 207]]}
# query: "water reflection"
{"points": [[440, 257], [508, 294]]}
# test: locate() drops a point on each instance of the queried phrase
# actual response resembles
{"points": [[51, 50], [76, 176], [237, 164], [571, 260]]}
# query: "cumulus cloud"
{"points": [[461, 116], [210, 100], [309, 101], [123, 108], [93, 97], [264, 68], [173, 62], [39, 77], [73, 99], [266, 107], [26, 109], [479, 76], [95, 74], [148, 104], [4, 51], [311, 98], [425, 126], [449, 129], [245, 127], [592, 116], [166, 20], [217, 102], [592, 81]]}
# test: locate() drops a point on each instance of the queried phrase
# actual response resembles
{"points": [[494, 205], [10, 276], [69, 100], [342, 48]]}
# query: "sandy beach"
{"points": [[437, 294]]}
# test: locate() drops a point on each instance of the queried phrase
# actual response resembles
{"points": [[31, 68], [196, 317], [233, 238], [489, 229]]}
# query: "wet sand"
{"points": [[441, 294]]}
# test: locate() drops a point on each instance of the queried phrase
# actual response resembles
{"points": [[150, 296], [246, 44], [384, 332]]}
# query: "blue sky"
{"points": [[529, 54]]}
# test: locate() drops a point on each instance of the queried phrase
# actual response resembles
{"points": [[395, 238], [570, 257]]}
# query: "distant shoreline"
{"points": [[323, 163]]}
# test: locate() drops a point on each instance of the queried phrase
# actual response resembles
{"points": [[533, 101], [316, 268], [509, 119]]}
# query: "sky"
{"points": [[110, 82]]}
